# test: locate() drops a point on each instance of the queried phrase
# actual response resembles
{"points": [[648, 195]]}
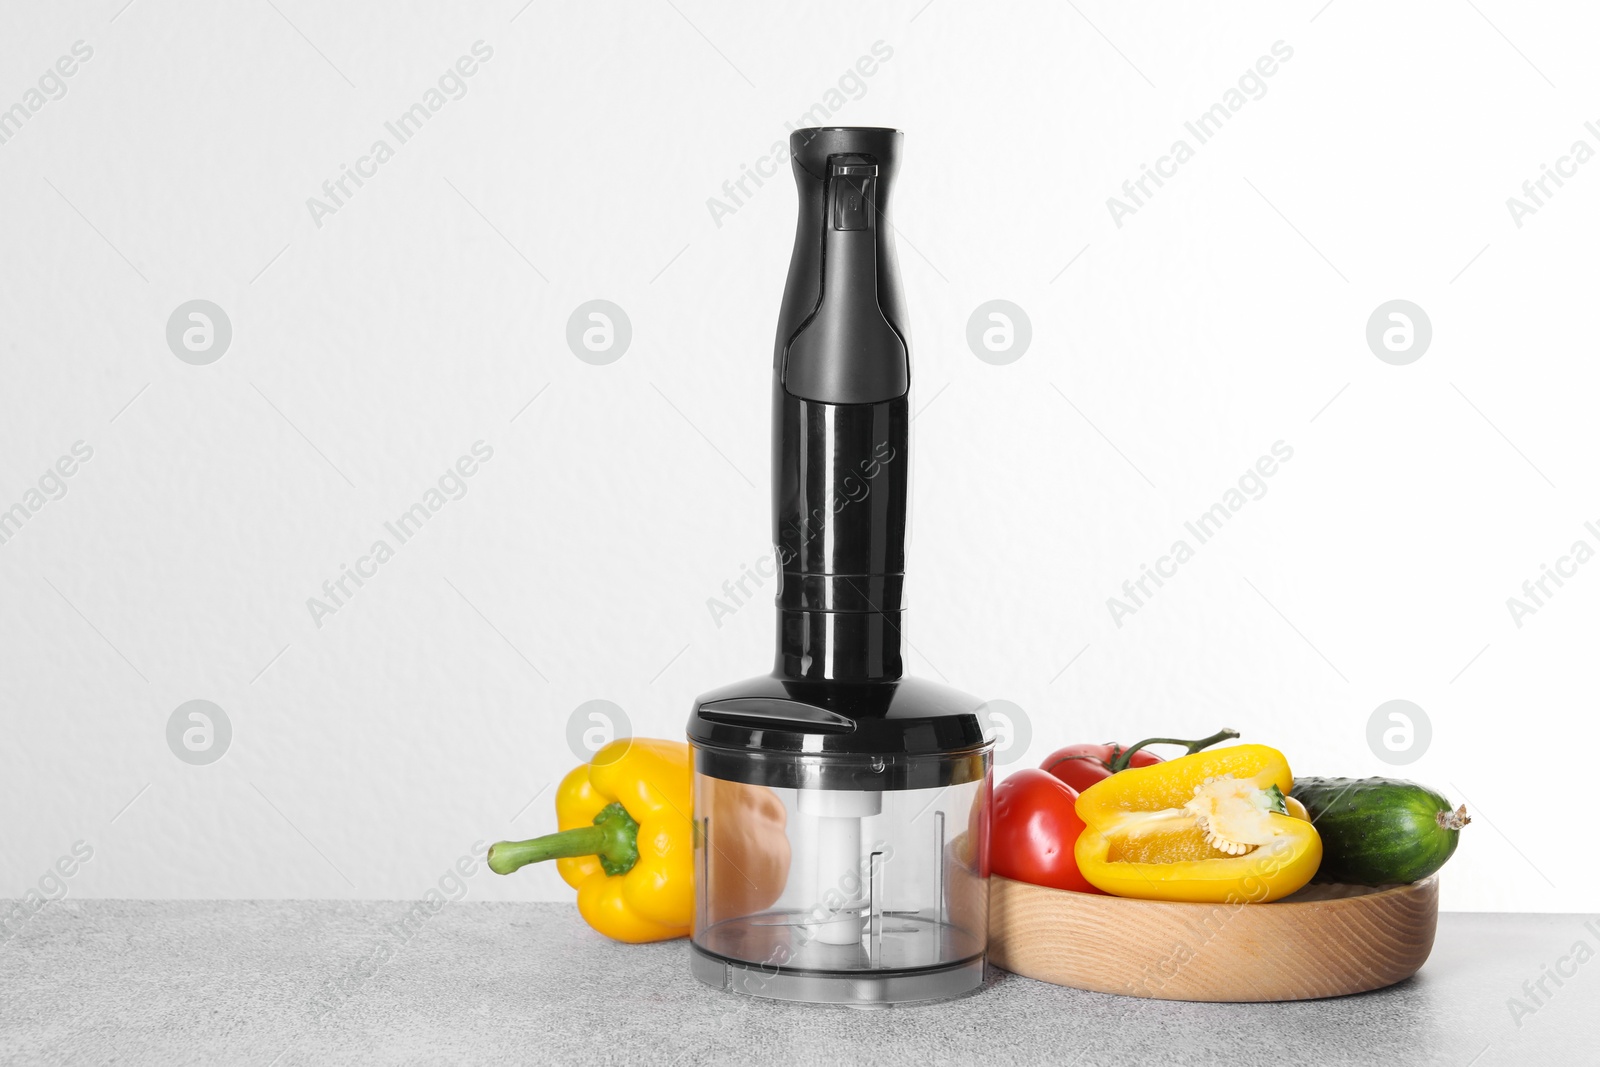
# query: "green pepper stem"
{"points": [[614, 838], [1126, 755]]}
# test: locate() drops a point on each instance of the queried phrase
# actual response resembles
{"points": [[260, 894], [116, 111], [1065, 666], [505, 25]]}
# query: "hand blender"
{"points": [[883, 780]]}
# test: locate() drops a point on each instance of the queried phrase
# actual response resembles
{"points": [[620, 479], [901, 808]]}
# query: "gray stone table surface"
{"points": [[330, 982]]}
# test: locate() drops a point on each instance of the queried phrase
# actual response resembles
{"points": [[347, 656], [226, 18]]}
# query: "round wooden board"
{"points": [[1326, 941]]}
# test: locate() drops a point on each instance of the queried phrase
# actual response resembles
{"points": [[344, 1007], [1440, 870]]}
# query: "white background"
{"points": [[369, 353]]}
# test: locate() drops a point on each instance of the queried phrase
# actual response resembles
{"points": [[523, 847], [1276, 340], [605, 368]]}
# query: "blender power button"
{"points": [[852, 195]]}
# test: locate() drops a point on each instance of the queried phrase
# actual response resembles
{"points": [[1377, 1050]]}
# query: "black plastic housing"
{"points": [[878, 735], [840, 480], [840, 483], [841, 331]]}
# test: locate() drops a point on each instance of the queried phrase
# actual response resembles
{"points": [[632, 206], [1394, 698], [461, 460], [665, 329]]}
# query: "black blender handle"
{"points": [[841, 338], [840, 418]]}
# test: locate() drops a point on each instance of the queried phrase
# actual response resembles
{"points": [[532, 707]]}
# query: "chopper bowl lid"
{"points": [[902, 734]]}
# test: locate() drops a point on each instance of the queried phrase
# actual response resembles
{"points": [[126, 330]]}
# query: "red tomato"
{"points": [[1034, 829], [1081, 766]]}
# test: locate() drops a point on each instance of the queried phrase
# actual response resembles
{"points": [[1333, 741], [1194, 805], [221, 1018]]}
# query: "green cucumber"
{"points": [[1379, 831]]}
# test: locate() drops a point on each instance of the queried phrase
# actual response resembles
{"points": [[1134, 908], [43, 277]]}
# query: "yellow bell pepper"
{"points": [[1212, 827], [626, 842]]}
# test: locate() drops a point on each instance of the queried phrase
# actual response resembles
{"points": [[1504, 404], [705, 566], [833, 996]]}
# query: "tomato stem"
{"points": [[1123, 757]]}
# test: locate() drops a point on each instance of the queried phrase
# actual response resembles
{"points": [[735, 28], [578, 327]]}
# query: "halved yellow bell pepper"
{"points": [[1212, 827]]}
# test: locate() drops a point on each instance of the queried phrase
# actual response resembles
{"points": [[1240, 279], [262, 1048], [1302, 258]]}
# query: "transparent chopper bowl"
{"points": [[883, 902]]}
